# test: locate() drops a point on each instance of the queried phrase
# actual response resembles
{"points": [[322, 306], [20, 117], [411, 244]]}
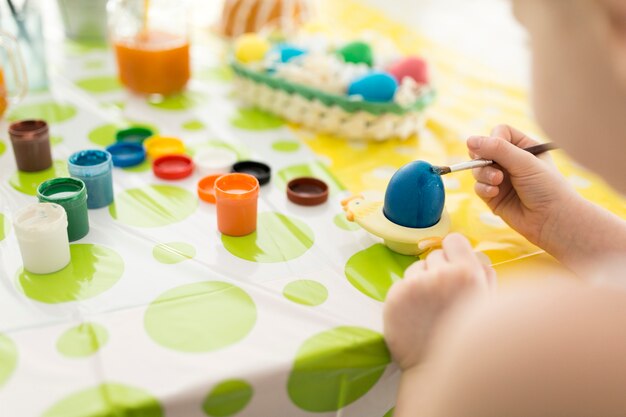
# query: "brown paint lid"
{"points": [[307, 191]]}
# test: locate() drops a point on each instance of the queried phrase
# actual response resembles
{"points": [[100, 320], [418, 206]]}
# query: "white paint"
{"points": [[41, 231]]}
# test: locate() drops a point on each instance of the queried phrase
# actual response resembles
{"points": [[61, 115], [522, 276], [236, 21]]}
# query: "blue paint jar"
{"points": [[94, 168]]}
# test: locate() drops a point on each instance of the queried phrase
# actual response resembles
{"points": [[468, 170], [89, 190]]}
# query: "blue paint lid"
{"points": [[127, 154]]}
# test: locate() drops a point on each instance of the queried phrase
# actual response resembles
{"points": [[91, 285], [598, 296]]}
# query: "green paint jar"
{"points": [[71, 194]]}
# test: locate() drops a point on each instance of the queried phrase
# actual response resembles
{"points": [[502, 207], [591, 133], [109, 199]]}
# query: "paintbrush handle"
{"points": [[479, 163]]}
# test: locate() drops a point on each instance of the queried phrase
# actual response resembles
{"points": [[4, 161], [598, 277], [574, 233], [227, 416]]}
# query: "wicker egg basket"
{"points": [[330, 113]]}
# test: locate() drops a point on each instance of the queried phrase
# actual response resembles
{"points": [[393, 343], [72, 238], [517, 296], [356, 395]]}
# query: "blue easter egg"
{"points": [[415, 196], [289, 52], [376, 86]]}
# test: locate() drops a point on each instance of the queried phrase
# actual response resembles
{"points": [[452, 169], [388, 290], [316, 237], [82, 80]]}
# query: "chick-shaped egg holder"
{"points": [[345, 91], [410, 217]]}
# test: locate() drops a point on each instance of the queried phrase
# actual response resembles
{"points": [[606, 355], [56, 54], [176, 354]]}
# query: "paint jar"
{"points": [[41, 231], [94, 167], [236, 198], [31, 145], [151, 41], [71, 194]]}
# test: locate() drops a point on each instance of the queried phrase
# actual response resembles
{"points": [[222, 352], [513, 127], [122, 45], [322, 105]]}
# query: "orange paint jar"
{"points": [[153, 63], [236, 199]]}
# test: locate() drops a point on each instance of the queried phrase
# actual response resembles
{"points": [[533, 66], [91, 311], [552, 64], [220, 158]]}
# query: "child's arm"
{"points": [[533, 198]]}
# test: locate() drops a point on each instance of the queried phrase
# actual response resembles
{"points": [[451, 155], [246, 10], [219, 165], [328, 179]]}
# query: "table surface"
{"points": [[160, 314]]}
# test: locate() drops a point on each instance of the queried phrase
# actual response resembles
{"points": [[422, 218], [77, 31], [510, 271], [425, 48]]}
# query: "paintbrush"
{"points": [[478, 163]]}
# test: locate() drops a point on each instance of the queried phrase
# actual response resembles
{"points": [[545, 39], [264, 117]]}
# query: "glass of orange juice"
{"points": [[151, 43], [12, 64]]}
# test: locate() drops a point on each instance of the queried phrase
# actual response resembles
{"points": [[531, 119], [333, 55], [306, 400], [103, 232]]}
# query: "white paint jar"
{"points": [[41, 231]]}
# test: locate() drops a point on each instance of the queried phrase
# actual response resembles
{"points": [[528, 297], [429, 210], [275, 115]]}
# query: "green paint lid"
{"points": [[133, 134]]}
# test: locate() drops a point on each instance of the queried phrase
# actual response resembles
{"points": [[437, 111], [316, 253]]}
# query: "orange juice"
{"points": [[153, 62], [3, 94]]}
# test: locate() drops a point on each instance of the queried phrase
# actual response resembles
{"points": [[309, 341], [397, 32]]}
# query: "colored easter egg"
{"points": [[251, 48], [376, 86], [413, 67], [415, 196], [357, 53], [288, 52]]}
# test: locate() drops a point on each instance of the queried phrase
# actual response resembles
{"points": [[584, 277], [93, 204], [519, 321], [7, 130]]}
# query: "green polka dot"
{"points": [[215, 74], [49, 111], [114, 105], [373, 270], [173, 252], [153, 206], [8, 358], [27, 182], [389, 413], [193, 125], [83, 340], [94, 64], [4, 227], [200, 317], [242, 152], [146, 165], [343, 223], [313, 169], [278, 238], [101, 84], [55, 140], [3, 147], [285, 146], [335, 368], [177, 102], [93, 270], [107, 400], [254, 119], [85, 47], [306, 292], [227, 398], [104, 135]]}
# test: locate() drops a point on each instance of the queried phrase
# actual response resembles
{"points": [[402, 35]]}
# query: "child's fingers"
{"points": [[457, 249], [486, 191], [415, 270], [514, 160], [510, 134], [435, 260], [488, 175]]}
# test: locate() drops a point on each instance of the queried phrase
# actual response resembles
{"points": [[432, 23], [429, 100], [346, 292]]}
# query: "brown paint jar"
{"points": [[31, 145]]}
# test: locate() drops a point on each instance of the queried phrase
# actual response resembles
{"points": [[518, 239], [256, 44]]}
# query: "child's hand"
{"points": [[414, 305], [527, 191]]}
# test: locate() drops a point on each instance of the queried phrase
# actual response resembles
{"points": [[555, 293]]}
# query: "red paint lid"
{"points": [[307, 191], [173, 167]]}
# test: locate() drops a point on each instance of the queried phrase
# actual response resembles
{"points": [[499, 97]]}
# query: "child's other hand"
{"points": [[415, 304], [527, 191]]}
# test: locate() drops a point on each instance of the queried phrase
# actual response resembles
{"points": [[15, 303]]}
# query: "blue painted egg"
{"points": [[415, 196], [289, 52], [376, 86]]}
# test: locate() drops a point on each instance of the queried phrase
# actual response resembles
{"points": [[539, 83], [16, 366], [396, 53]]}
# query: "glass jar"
{"points": [[151, 42], [11, 64], [22, 20]]}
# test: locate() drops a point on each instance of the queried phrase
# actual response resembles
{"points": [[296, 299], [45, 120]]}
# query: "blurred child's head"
{"points": [[579, 78]]}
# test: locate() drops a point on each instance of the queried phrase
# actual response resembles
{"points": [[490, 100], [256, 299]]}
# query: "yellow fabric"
{"points": [[471, 100]]}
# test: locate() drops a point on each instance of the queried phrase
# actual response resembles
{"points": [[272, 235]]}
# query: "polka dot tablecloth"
{"points": [[159, 315]]}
